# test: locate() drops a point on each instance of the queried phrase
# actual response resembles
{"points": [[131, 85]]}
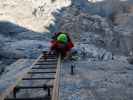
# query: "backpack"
{"points": [[61, 45]]}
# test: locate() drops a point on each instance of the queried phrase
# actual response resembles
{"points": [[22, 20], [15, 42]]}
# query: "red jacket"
{"points": [[55, 43]]}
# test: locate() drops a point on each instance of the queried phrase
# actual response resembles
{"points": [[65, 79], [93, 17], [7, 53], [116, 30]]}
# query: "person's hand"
{"points": [[45, 56]]}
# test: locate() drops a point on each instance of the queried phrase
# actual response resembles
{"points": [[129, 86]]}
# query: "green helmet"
{"points": [[62, 38]]}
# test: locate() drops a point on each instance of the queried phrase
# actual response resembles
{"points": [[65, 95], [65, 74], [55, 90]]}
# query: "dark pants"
{"points": [[61, 51]]}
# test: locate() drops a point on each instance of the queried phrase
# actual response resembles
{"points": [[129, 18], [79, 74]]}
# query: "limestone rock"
{"points": [[24, 49]]}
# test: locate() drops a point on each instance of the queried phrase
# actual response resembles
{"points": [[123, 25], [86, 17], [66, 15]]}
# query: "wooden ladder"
{"points": [[48, 68]]}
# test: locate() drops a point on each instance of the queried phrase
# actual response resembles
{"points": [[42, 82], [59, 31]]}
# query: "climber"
{"points": [[61, 43]]}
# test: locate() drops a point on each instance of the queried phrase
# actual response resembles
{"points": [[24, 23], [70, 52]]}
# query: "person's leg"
{"points": [[52, 50], [67, 55]]}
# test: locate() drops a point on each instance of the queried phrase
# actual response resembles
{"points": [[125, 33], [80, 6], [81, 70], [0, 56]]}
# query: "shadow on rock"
{"points": [[17, 42]]}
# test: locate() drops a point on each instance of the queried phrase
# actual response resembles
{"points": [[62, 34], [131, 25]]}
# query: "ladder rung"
{"points": [[49, 55], [49, 58], [46, 55], [54, 61], [46, 52], [49, 78], [37, 98], [45, 63], [44, 68], [41, 72], [34, 87]]}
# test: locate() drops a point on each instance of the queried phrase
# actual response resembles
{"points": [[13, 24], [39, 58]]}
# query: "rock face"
{"points": [[101, 31], [124, 28], [91, 29], [97, 81], [93, 53], [15, 38], [23, 28], [23, 33], [32, 14]]}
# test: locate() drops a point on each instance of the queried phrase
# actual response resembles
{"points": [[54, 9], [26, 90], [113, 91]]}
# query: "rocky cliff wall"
{"points": [[24, 25]]}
